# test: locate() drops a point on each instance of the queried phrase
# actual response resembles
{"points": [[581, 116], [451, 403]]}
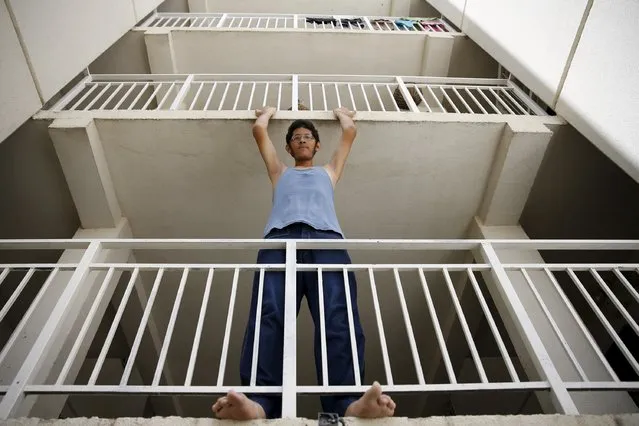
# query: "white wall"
{"points": [[350, 7], [62, 37], [19, 94], [601, 92], [597, 90]]}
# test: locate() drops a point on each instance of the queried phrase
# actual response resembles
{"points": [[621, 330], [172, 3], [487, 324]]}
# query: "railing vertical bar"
{"points": [[515, 101], [72, 94], [604, 321], [339, 99], [139, 95], [439, 104], [403, 89], [196, 97], [295, 92], [227, 330], [421, 96], [310, 96], [368, 23], [443, 90], [279, 96], [498, 98], [166, 23], [390, 93], [351, 328], [126, 95], [210, 97], [250, 21], [265, 93], [226, 90], [155, 91], [85, 327], [232, 22], [201, 24], [481, 92], [380, 328], [16, 293], [409, 328], [350, 91], [470, 110], [289, 361], [186, 21], [143, 323], [464, 325], [4, 274], [277, 22], [268, 23], [554, 325], [259, 22], [114, 326], [237, 98], [504, 290], [169, 330], [94, 86], [493, 326], [581, 324], [322, 312], [198, 330], [438, 330], [17, 333], [250, 101], [296, 21], [475, 100], [379, 98], [621, 278], [13, 398], [258, 322], [239, 24], [324, 95], [106, 87], [166, 96], [615, 301], [368, 105]]}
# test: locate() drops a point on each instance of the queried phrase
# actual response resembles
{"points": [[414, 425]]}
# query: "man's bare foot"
{"points": [[236, 406], [373, 404]]}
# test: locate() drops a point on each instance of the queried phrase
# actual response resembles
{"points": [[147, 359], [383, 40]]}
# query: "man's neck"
{"points": [[303, 163]]}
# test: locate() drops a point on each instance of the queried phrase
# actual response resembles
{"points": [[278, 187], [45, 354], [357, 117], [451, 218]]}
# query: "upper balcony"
{"points": [[303, 43]]}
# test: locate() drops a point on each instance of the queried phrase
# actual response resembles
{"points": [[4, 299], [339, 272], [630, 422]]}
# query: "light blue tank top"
{"points": [[304, 196]]}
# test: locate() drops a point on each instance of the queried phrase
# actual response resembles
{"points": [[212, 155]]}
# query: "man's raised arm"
{"points": [[336, 166], [274, 165]]}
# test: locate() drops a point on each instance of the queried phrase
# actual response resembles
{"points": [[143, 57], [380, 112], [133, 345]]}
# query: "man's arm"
{"points": [[274, 165], [336, 166]]}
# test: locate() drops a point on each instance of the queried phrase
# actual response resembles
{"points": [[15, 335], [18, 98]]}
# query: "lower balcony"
{"points": [[130, 327]]}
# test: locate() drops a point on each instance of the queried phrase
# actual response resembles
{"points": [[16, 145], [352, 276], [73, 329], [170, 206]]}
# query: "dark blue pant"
{"points": [[338, 344]]}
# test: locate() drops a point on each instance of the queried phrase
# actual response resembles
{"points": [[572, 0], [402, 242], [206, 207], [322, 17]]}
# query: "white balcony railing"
{"points": [[292, 21], [215, 92], [436, 291]]}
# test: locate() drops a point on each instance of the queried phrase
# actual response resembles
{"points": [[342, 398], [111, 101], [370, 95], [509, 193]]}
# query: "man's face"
{"points": [[303, 145]]}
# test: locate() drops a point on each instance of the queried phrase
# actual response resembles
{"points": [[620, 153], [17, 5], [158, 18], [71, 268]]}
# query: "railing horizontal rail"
{"points": [[222, 92], [310, 22]]}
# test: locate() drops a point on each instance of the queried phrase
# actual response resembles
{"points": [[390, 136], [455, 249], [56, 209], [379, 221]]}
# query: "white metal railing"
{"points": [[295, 21], [217, 92], [436, 288]]}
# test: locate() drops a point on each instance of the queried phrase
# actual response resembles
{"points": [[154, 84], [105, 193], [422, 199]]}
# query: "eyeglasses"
{"points": [[298, 138]]}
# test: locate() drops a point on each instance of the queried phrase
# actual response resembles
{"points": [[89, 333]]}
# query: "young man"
{"points": [[303, 208]]}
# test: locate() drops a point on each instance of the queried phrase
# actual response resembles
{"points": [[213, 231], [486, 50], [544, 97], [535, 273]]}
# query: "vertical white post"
{"points": [[406, 94], [295, 19], [182, 93], [15, 395], [289, 367], [295, 93], [222, 19], [505, 295], [368, 23]]}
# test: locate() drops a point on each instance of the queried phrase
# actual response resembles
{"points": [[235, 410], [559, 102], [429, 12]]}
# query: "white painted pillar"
{"points": [[83, 162], [517, 160], [586, 402], [438, 51], [159, 48]]}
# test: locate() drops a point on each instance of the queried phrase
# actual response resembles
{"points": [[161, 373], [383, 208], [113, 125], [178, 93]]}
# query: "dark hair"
{"points": [[301, 124]]}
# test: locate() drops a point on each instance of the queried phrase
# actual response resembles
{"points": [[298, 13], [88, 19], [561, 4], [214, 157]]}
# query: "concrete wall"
{"points": [[345, 7], [19, 94], [536, 41], [126, 56], [178, 6]]}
